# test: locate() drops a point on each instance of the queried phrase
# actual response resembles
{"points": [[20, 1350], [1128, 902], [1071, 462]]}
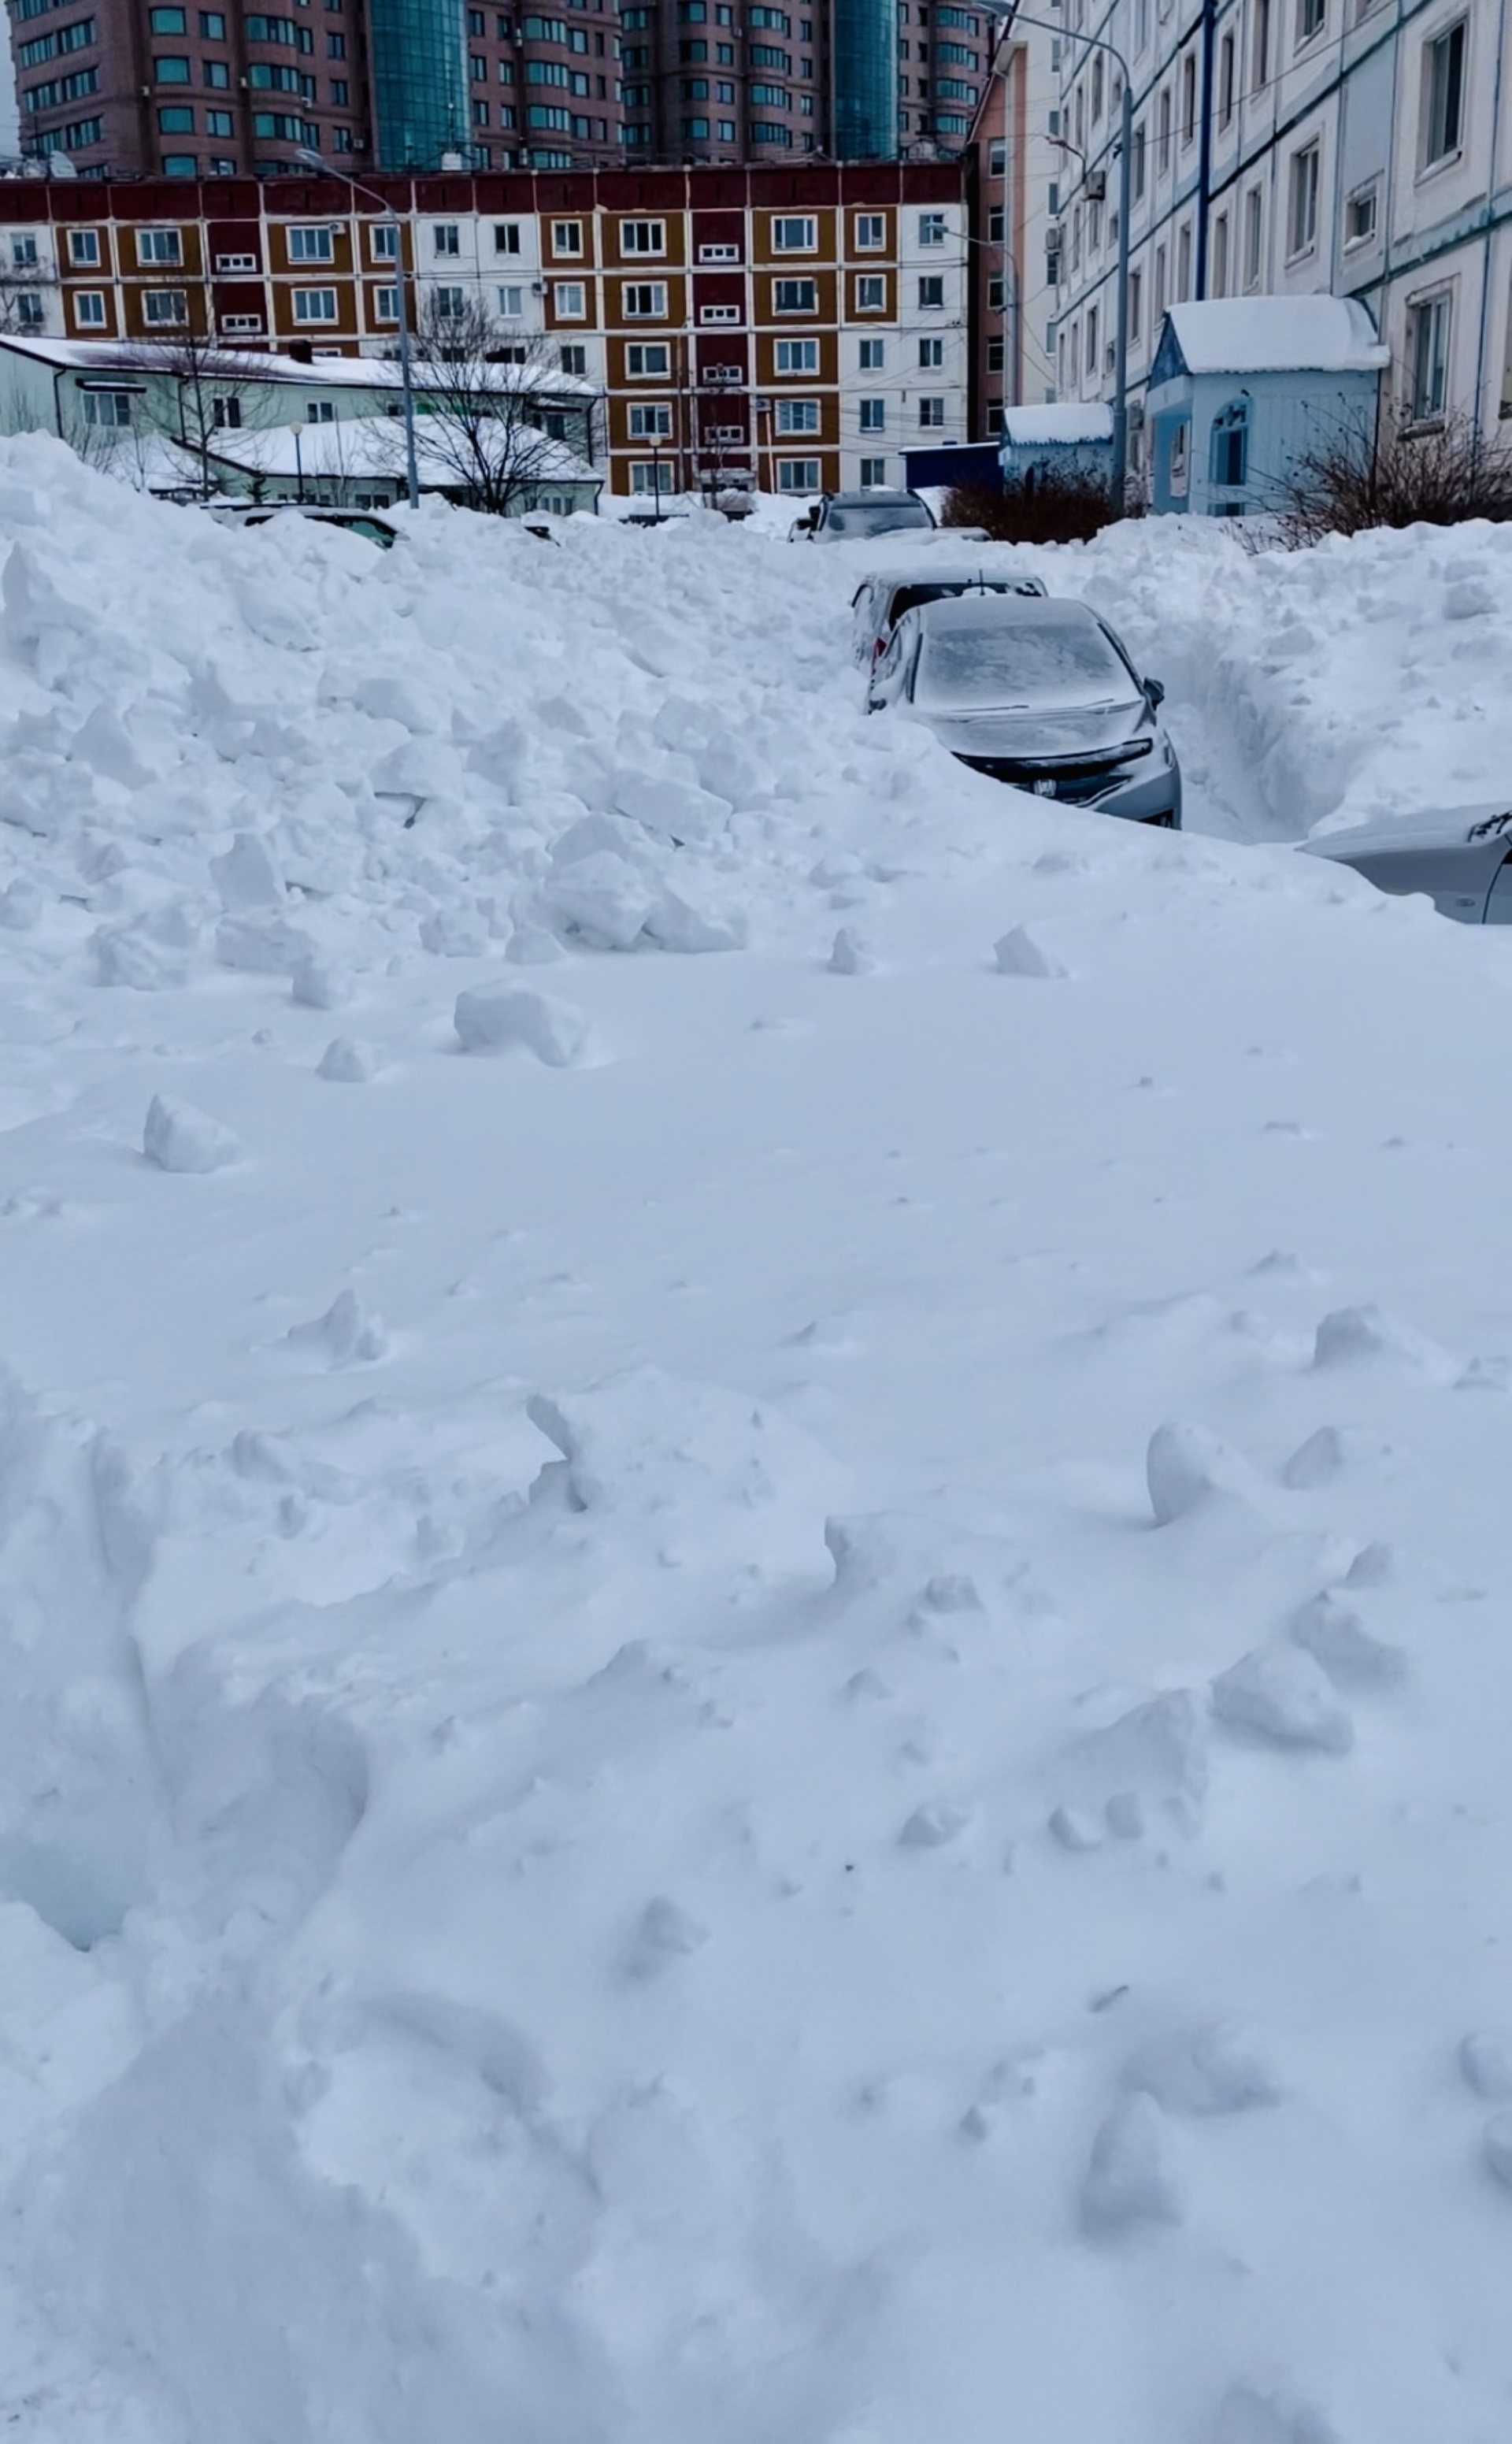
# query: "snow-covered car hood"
{"points": [[1453, 827], [1034, 736]]}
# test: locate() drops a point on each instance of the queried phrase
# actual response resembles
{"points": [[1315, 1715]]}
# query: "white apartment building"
{"points": [[1359, 147]]}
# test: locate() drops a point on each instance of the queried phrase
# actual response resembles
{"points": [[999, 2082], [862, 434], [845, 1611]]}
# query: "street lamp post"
{"points": [[1012, 17], [317, 161], [298, 431]]}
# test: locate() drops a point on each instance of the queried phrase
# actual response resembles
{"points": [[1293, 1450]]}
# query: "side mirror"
{"points": [[1155, 689]]}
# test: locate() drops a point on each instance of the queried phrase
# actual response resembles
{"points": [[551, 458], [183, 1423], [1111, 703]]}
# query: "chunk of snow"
{"points": [[1187, 1468], [491, 1018], [1201, 2071], [1019, 953], [179, 1136], [245, 876], [347, 1062], [1485, 2062], [1132, 2178], [1282, 1693], [319, 982], [1336, 1635], [849, 955], [347, 1334], [1266, 2413], [931, 1826]]}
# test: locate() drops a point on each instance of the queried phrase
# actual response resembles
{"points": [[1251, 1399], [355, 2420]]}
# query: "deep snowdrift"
{"points": [[758, 1695]]}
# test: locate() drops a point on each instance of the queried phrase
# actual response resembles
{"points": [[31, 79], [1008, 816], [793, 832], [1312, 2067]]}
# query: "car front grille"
{"points": [[1075, 785]]}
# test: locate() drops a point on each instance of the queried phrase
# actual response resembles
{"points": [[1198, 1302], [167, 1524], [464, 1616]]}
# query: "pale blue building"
{"points": [[1241, 387]]}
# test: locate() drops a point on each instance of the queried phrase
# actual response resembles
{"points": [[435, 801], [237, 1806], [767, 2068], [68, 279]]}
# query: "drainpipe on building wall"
{"points": [[1204, 142], [1490, 192]]}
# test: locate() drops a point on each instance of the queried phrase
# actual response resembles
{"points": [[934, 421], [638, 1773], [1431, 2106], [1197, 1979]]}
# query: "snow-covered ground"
{"points": [[754, 1677]]}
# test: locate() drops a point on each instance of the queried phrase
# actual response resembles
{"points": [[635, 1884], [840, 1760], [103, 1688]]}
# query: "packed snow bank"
{"points": [[796, 1730]]}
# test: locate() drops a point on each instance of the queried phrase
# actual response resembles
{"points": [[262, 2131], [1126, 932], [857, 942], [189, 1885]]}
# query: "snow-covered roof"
{"points": [[1272, 335], [355, 446], [254, 364], [1065, 421]]}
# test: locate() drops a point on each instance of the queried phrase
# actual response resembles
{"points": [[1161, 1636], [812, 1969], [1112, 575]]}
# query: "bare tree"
{"points": [[208, 406], [487, 398]]}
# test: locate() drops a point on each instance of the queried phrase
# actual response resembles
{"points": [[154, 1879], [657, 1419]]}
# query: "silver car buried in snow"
{"points": [[1461, 860], [1036, 693]]}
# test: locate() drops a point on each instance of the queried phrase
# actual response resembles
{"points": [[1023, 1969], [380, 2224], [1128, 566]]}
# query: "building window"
{"points": [[1137, 299], [450, 304], [566, 237], [643, 237], [1137, 165], [178, 120], [311, 246], [1225, 81], [719, 313], [89, 309], [1428, 356], [1183, 263], [315, 306], [1160, 283], [164, 307], [873, 356], [159, 245], [211, 25], [648, 360], [873, 471], [931, 228], [569, 299], [871, 232], [573, 358], [1443, 97], [651, 421], [798, 475], [83, 248], [383, 243], [1092, 340], [446, 239], [386, 306], [217, 76], [798, 416], [506, 237], [1254, 229], [931, 355], [219, 122], [795, 296], [870, 293], [1312, 16], [650, 476], [511, 305], [1301, 220], [644, 300], [247, 323], [171, 71], [873, 414], [1220, 271], [1189, 97], [168, 21], [931, 293], [792, 236], [931, 414], [1163, 133], [1228, 448], [797, 355], [110, 408], [997, 157], [1260, 46], [1359, 216], [226, 413]]}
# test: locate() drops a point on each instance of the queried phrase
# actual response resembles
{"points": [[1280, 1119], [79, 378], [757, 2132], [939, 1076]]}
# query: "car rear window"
{"points": [[1022, 662], [878, 520]]}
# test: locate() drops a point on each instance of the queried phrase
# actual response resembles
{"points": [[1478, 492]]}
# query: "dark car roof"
{"points": [[872, 500]]}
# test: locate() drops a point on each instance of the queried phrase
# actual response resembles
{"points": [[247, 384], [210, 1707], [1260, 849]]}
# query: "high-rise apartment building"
{"points": [[1359, 148], [132, 88]]}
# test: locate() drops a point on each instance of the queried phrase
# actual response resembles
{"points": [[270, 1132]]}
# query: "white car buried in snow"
{"points": [[1036, 693], [879, 602]]}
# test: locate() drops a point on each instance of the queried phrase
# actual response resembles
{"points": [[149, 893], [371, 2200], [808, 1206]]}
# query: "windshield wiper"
{"points": [[1492, 827]]}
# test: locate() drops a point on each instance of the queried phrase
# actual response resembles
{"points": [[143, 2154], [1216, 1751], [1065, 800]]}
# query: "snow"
{"points": [[1066, 421], [795, 1727], [1272, 335]]}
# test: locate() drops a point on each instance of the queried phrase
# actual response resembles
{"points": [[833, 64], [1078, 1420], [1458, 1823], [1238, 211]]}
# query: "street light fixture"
{"points": [[314, 160], [297, 428], [1011, 17]]}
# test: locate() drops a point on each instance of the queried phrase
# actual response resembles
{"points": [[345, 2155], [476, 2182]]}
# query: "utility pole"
{"points": [[316, 161]]}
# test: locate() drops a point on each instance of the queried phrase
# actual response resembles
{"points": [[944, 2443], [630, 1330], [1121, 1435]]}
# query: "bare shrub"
{"points": [[1397, 476], [1044, 506]]}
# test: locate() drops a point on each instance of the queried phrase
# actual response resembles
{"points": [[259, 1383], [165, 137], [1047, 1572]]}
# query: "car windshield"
{"points": [[1003, 664], [875, 517], [908, 597]]}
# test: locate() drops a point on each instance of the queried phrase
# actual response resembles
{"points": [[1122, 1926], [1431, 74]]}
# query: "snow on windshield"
{"points": [[1003, 663]]}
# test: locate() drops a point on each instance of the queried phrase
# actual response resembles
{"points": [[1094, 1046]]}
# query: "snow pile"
{"points": [[769, 1701]]}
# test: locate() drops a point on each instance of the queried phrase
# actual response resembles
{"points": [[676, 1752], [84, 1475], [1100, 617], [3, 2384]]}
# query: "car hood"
{"points": [[1032, 736], [1454, 828]]}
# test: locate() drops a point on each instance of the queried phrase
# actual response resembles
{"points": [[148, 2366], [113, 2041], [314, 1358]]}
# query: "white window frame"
{"points": [[798, 417], [310, 306], [865, 223], [659, 429], [866, 302], [806, 242], [806, 371], [643, 348], [643, 301], [311, 242], [161, 250], [799, 475], [1305, 183], [94, 300], [1432, 106], [168, 321], [563, 293], [84, 249], [643, 237], [566, 239], [809, 308]]}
